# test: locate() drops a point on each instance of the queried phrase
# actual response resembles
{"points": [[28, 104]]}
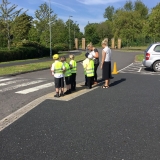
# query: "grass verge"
{"points": [[139, 48], [33, 66], [61, 54], [139, 58]]}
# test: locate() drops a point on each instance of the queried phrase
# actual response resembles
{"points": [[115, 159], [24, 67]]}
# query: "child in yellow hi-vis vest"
{"points": [[73, 66], [90, 71], [57, 70], [67, 75], [84, 66]]}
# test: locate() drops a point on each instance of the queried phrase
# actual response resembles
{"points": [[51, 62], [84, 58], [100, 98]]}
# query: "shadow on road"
{"points": [[117, 82], [148, 69]]}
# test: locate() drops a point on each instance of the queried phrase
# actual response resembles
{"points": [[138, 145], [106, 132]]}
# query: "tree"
{"points": [[8, 14], [104, 30], [3, 39], [59, 32], [109, 12], [91, 34], [73, 27], [33, 34], [128, 6], [152, 26], [21, 26], [44, 15], [140, 7], [127, 25]]}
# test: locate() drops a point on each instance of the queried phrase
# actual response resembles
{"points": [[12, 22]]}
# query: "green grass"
{"points": [[139, 57], [20, 60], [33, 66], [61, 54], [139, 48]]}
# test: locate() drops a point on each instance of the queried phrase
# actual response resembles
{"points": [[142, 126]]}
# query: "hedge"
{"points": [[23, 53], [28, 50], [61, 47]]}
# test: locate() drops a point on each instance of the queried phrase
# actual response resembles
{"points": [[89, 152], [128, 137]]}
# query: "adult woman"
{"points": [[106, 63], [95, 54]]}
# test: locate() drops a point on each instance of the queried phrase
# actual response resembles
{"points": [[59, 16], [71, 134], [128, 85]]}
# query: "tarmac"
{"points": [[118, 123]]}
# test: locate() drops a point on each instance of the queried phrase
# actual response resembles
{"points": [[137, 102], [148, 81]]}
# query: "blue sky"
{"points": [[83, 11]]}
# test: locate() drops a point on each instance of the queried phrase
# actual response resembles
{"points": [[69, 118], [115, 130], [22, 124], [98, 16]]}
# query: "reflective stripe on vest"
{"points": [[58, 67], [67, 70], [74, 66], [90, 69]]}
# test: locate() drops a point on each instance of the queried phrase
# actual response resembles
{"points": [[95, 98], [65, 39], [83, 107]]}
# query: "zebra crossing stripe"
{"points": [[11, 82], [7, 79], [29, 90], [21, 85]]}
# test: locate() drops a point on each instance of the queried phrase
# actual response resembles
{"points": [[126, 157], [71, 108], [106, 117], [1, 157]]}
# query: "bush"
{"points": [[61, 47], [28, 50]]}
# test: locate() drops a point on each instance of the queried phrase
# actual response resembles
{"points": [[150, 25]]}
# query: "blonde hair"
{"points": [[90, 44], [71, 56], [105, 41]]}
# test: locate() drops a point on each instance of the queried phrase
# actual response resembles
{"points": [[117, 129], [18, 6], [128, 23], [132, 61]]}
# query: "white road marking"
{"points": [[125, 67], [12, 82], [20, 85], [7, 79], [29, 90], [140, 69]]}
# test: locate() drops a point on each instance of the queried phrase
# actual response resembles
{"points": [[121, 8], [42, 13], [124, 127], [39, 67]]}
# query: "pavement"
{"points": [[118, 123]]}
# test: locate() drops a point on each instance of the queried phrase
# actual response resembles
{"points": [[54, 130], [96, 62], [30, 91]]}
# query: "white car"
{"points": [[152, 57]]}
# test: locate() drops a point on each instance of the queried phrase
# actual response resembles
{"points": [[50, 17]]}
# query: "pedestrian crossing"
{"points": [[23, 86]]}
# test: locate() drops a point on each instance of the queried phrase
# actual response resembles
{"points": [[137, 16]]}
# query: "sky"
{"points": [[82, 11]]}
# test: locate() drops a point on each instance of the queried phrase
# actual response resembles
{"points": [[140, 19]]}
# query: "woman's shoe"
{"points": [[95, 82], [67, 92], [105, 87]]}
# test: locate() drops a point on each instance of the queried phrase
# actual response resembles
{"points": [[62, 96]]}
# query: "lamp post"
{"points": [[69, 34], [50, 30]]}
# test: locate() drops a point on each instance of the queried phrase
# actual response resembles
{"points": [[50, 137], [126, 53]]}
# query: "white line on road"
{"points": [[7, 79], [125, 67], [26, 91], [140, 69], [21, 85], [12, 82]]}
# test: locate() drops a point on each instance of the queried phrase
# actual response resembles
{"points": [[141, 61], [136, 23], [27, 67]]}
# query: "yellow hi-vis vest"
{"points": [[67, 72], [90, 69], [58, 67], [74, 66], [84, 65]]}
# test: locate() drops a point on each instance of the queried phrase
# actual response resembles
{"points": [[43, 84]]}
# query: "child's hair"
{"points": [[63, 58], [105, 42], [71, 56], [90, 44]]}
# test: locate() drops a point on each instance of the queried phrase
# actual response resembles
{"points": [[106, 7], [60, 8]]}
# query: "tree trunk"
{"points": [[8, 36]]}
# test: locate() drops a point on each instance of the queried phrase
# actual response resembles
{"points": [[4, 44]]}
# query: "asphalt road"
{"points": [[119, 123], [11, 101]]}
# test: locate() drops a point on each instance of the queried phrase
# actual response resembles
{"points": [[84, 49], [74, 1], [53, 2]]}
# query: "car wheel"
{"points": [[156, 66]]}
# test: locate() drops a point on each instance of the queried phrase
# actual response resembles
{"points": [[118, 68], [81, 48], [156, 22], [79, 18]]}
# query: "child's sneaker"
{"points": [[61, 94], [57, 95]]}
